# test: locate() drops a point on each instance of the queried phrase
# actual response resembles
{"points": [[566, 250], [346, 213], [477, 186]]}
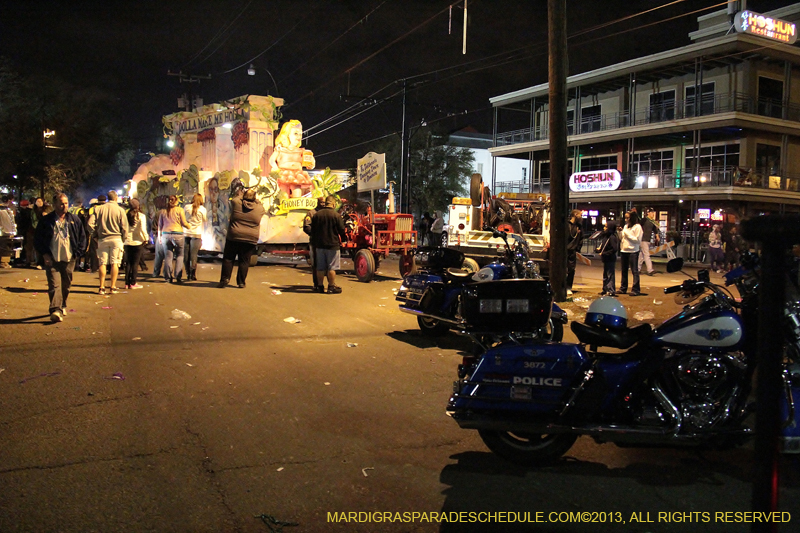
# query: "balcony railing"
{"points": [[706, 177], [667, 111]]}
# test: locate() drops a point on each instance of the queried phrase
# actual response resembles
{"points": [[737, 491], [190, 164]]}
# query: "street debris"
{"points": [[644, 315], [205, 328], [292, 320], [173, 327], [108, 307], [116, 375], [280, 469], [580, 299], [352, 344], [177, 314], [364, 470], [189, 364], [327, 383], [136, 339], [275, 525], [657, 302], [276, 292], [195, 323], [44, 375]]}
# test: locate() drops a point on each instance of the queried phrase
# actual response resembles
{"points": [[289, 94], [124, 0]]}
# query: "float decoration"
{"points": [[289, 159], [177, 153], [209, 134], [240, 135]]}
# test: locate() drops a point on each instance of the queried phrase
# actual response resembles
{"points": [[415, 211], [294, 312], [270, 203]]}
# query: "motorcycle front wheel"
{"points": [[529, 449], [432, 327]]}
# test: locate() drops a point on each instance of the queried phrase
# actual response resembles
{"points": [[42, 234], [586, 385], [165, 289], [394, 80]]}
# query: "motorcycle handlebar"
{"points": [[676, 288]]}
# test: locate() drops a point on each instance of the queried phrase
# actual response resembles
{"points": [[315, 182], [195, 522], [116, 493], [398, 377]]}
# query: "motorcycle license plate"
{"points": [[521, 392]]}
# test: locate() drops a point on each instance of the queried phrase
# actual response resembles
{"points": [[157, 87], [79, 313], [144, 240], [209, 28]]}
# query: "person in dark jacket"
{"points": [[311, 252], [608, 249], [242, 237], [327, 228], [60, 240], [574, 244]]}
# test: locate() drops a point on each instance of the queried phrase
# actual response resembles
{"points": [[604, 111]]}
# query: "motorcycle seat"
{"points": [[458, 273], [622, 339]]}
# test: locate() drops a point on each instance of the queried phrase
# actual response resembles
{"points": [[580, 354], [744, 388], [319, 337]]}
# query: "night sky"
{"points": [[320, 51]]}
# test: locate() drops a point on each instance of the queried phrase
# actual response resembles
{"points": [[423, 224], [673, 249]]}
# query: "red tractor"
{"points": [[373, 236]]}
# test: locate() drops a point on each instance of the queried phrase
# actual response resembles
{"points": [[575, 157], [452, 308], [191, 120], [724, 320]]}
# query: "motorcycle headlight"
{"points": [[484, 274]]}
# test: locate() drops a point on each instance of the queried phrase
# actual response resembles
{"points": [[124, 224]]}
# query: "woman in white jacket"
{"points": [[135, 240], [629, 252], [197, 218]]}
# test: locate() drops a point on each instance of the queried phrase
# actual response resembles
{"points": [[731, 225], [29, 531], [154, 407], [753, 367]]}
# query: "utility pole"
{"points": [[559, 194], [189, 79], [405, 188]]}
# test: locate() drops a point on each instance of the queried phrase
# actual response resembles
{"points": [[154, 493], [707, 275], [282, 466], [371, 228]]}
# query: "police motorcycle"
{"points": [[434, 292], [685, 383]]}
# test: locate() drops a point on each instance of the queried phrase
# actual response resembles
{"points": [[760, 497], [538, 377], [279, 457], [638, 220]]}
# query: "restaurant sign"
{"points": [[763, 26], [596, 180]]}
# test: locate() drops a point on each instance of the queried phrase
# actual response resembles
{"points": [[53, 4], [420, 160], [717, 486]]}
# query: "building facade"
{"points": [[707, 133]]}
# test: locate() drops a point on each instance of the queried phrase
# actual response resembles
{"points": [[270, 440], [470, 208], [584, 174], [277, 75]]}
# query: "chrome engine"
{"points": [[705, 388]]}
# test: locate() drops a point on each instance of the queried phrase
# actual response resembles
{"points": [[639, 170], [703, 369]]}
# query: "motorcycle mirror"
{"points": [[496, 233], [702, 275], [675, 265]]}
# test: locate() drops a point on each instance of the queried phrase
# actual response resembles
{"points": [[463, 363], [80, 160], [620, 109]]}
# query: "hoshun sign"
{"points": [[763, 26], [598, 180]]}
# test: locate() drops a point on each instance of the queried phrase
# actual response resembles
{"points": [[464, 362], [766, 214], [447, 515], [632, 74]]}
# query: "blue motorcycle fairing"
{"points": [[500, 270], [536, 378], [701, 328], [421, 281]]}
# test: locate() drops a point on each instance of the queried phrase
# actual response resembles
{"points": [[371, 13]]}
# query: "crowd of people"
{"points": [[109, 237]]}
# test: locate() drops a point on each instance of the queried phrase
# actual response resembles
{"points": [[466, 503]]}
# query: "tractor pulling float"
{"points": [[371, 237]]}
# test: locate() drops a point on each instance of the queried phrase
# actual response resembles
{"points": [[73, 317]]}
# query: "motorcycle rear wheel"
{"points": [[528, 449], [432, 327]]}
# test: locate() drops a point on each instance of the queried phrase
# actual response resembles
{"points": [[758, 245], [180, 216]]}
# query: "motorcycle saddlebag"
{"points": [[533, 378], [518, 305], [438, 258]]}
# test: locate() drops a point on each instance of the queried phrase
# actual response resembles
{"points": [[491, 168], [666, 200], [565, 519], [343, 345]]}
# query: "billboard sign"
{"points": [[371, 174]]}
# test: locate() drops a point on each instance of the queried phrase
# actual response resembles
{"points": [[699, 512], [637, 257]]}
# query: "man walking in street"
{"points": [[327, 228], [110, 225], [573, 245], [60, 240], [649, 231]]}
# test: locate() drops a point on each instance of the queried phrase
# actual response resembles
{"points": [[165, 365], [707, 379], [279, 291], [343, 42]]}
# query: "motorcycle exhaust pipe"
{"points": [[417, 312]]}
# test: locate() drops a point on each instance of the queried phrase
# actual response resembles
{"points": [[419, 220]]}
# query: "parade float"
{"points": [[220, 149]]}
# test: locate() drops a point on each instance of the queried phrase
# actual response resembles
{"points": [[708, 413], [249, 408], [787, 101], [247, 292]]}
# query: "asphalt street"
{"points": [[124, 419]]}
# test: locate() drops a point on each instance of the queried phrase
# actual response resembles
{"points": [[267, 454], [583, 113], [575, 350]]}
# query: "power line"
{"points": [[506, 61], [360, 21], [279, 39], [481, 60], [216, 36], [372, 55]]}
